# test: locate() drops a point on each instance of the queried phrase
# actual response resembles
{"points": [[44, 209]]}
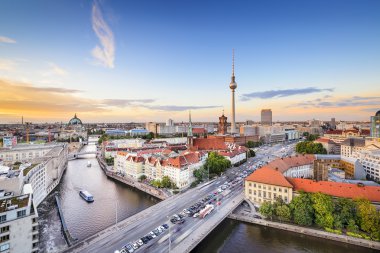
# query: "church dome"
{"points": [[75, 121], [378, 113]]}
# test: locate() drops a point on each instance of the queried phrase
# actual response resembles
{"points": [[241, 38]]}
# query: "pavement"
{"points": [[182, 236]]}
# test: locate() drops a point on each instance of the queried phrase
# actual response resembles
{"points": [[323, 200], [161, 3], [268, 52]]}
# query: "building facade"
{"points": [[375, 125], [266, 116]]}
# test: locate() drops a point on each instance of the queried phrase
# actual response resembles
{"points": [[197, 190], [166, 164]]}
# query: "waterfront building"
{"points": [[266, 116], [266, 184], [18, 224], [25, 152], [375, 125]]}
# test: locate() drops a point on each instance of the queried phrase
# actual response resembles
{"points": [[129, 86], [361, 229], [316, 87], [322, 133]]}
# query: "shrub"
{"points": [[335, 231]]}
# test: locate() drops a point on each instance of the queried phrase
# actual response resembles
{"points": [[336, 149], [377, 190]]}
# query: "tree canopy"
{"points": [[216, 163], [309, 147]]}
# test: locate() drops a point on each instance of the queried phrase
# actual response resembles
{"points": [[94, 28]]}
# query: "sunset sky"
{"points": [[123, 61]]}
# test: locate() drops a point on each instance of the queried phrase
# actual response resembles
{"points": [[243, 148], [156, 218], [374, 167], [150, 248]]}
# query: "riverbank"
{"points": [[138, 185], [306, 231]]}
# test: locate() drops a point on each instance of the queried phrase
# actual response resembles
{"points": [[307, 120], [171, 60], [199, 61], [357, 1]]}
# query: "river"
{"points": [[85, 219]]}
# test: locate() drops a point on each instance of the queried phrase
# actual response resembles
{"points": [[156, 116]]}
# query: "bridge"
{"points": [[179, 237], [78, 155]]}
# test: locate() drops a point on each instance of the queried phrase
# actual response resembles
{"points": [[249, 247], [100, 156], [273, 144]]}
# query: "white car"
{"points": [[152, 234]]}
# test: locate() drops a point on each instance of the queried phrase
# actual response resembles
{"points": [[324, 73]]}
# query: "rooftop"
{"points": [[354, 142], [342, 190], [270, 176], [14, 203], [283, 164]]}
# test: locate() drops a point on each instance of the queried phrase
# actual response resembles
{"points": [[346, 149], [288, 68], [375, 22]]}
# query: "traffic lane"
{"points": [[152, 225]]}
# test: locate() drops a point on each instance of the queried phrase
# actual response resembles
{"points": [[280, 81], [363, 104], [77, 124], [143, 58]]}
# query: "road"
{"points": [[139, 225]]}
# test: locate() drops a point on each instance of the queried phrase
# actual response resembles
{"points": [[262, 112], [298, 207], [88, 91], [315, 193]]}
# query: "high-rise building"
{"points": [[375, 125], [332, 123], [169, 122], [222, 125], [266, 116], [190, 133], [233, 86]]}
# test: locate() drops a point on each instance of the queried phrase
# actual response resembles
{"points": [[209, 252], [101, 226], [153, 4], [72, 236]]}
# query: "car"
{"points": [[150, 237], [128, 247], [196, 215], [152, 234], [123, 251], [165, 226], [173, 220], [140, 242], [180, 216], [135, 245], [181, 221]]}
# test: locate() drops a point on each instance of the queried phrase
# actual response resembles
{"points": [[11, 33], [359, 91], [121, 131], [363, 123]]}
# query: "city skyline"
{"points": [[112, 61]]}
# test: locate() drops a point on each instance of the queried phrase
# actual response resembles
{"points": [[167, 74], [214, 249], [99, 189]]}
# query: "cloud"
{"points": [[7, 65], [56, 70], [4, 39], [355, 101], [104, 53], [126, 102], [282, 93], [180, 108]]}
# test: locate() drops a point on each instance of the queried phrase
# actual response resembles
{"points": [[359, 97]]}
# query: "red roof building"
{"points": [[269, 176], [283, 164], [342, 190], [209, 144]]}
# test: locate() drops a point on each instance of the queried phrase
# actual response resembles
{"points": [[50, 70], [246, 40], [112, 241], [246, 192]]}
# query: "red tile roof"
{"points": [[343, 190], [334, 132], [209, 144], [183, 160], [283, 164], [267, 175], [323, 140], [366, 132]]}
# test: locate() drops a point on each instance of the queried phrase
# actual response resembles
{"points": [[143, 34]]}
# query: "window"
{"points": [[259, 193], [274, 195], [250, 191], [269, 195], [250, 184], [4, 238], [254, 192], [264, 187], [269, 188], [4, 229], [274, 188], [286, 190], [286, 199], [279, 189], [264, 194], [4, 247], [254, 185], [3, 218], [259, 186], [21, 213]]}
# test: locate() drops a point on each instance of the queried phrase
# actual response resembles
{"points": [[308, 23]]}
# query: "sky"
{"points": [[139, 61]]}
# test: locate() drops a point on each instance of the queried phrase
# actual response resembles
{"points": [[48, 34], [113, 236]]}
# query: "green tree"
{"points": [[352, 227], [368, 217], [308, 147], [345, 209], [302, 209], [250, 144], [217, 163], [142, 178], [156, 183], [283, 212], [166, 182], [323, 208], [200, 174], [267, 209], [252, 153]]}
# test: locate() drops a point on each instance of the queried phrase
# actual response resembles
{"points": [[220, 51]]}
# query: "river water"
{"points": [[85, 219]]}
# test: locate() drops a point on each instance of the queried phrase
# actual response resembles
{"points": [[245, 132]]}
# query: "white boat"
{"points": [[86, 196], [88, 164]]}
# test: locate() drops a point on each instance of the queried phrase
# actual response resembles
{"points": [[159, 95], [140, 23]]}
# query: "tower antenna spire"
{"points": [[233, 62]]}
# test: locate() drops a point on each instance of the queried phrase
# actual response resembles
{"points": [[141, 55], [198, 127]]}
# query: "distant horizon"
{"points": [[115, 61]]}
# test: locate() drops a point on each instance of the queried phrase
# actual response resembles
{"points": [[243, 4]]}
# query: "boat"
{"points": [[88, 164], [86, 196]]}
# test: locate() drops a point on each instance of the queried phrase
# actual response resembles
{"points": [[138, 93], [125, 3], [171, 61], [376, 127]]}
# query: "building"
{"points": [[266, 117], [332, 123], [375, 125], [335, 189], [352, 146], [18, 224], [331, 146], [233, 86], [222, 126], [267, 184], [249, 130], [300, 166], [370, 160]]}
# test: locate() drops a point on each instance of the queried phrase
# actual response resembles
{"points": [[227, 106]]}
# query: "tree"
{"points": [[217, 163], [308, 147], [267, 209], [368, 217], [345, 209], [166, 182], [302, 209], [323, 207], [200, 173], [250, 144], [142, 178], [252, 153], [156, 183], [283, 212], [352, 227]]}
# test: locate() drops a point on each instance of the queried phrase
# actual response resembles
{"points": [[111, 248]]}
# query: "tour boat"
{"points": [[86, 196], [88, 164]]}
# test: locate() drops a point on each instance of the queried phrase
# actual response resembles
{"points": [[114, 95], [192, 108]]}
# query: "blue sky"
{"points": [[127, 61]]}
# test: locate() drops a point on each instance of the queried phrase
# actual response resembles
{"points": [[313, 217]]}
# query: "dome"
{"points": [[75, 121], [378, 113]]}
